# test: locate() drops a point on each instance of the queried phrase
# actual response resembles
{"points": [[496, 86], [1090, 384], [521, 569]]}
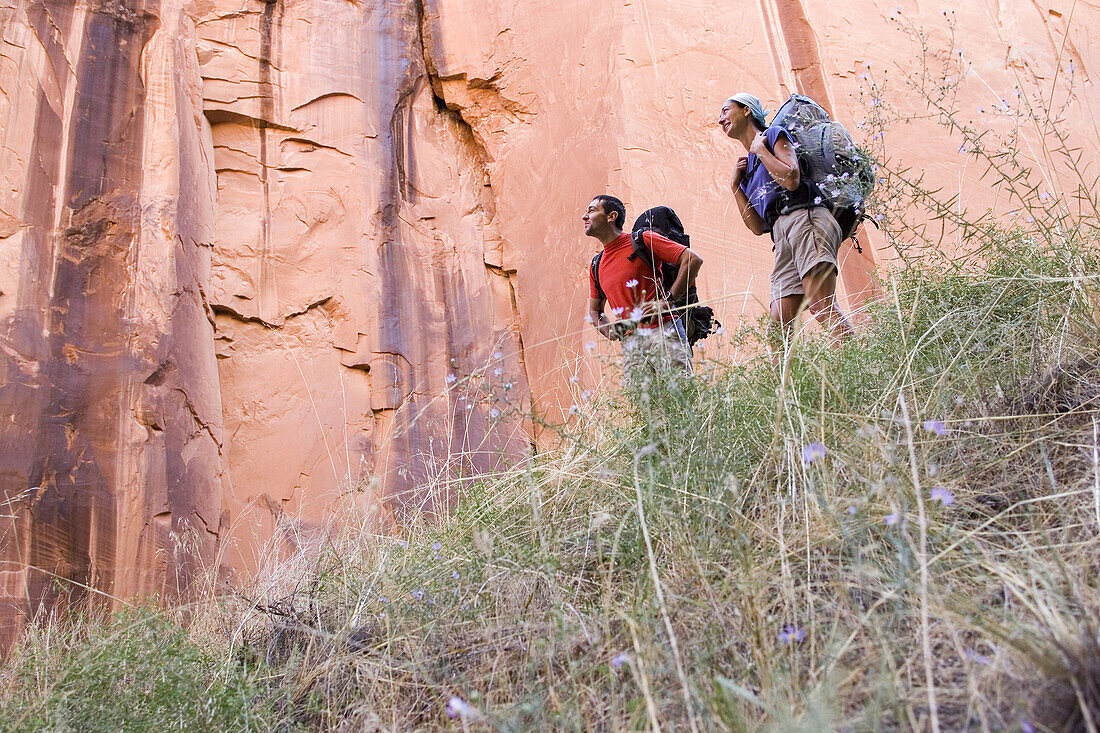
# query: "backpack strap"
{"points": [[595, 270], [641, 249]]}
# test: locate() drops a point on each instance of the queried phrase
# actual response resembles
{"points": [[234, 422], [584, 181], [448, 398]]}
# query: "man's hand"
{"points": [[739, 169]]}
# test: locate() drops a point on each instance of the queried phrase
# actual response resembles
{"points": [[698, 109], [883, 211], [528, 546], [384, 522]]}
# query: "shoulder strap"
{"points": [[595, 268], [640, 248]]}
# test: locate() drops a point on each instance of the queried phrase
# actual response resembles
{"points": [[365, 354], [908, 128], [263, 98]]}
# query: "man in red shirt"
{"points": [[653, 337]]}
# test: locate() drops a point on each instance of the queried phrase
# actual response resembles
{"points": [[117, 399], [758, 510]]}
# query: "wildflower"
{"points": [[935, 426], [813, 452], [590, 346], [494, 413], [1026, 727], [586, 395], [451, 379], [573, 409], [498, 372], [437, 545], [892, 519], [617, 312], [943, 496], [632, 283], [588, 318], [619, 659], [792, 633], [469, 405], [637, 314], [404, 544], [454, 574], [418, 595], [719, 331], [851, 510], [383, 599], [459, 708], [498, 355], [817, 200], [573, 379], [974, 656], [507, 385]]}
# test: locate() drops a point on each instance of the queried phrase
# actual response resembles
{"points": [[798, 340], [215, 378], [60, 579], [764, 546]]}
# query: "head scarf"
{"points": [[756, 109]]}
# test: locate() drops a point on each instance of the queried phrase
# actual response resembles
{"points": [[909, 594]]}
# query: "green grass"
{"points": [[134, 671]]}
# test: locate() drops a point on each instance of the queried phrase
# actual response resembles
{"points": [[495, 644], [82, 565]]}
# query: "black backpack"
{"points": [[698, 320], [829, 158]]}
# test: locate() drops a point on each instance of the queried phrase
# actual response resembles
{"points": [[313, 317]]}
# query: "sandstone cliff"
{"points": [[252, 251]]}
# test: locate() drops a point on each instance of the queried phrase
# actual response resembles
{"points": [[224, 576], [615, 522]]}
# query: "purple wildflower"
{"points": [[935, 426], [418, 595], [459, 708], [792, 633], [813, 452], [892, 519], [942, 495], [619, 659], [437, 545], [851, 510], [1026, 727]]}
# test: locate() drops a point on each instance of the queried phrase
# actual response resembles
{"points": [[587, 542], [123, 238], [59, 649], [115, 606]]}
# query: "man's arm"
{"points": [[782, 163], [689, 264], [599, 320], [752, 220]]}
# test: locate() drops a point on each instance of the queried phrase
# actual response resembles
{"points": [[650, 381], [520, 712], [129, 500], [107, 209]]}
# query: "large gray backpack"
{"points": [[829, 157]]}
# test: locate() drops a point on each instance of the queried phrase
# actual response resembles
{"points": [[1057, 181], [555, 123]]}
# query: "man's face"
{"points": [[731, 116], [596, 220]]}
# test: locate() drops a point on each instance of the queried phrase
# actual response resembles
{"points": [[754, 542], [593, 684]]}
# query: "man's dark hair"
{"points": [[609, 204], [755, 122]]}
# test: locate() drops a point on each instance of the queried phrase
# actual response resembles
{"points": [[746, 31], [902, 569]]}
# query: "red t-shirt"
{"points": [[630, 283]]}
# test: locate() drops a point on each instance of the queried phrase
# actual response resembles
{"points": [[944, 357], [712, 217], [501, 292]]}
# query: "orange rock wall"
{"points": [[252, 252]]}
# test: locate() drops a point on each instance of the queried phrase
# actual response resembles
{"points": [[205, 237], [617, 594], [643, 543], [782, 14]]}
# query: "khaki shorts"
{"points": [[803, 239]]}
